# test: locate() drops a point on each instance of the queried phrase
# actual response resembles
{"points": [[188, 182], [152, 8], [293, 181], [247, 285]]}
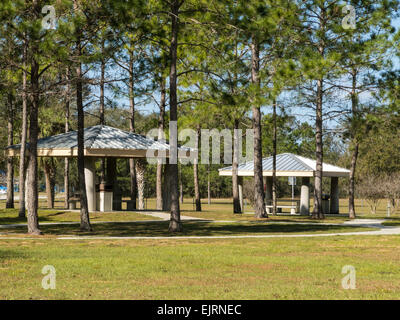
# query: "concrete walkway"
{"points": [[382, 230]]}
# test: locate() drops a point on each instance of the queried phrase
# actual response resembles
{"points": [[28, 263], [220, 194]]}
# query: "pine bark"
{"points": [[159, 192], [166, 199], [67, 116], [140, 176], [132, 170], [133, 181], [274, 153], [235, 165], [161, 123], [317, 213], [355, 146], [102, 110], [196, 172], [352, 210], [49, 173], [84, 212], [180, 185], [24, 131], [32, 179], [259, 206], [175, 224], [10, 160], [208, 185]]}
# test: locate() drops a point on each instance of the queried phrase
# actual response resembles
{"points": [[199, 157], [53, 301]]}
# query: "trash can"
{"points": [[325, 203]]}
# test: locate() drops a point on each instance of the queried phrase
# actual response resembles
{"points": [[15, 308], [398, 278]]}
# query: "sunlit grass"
{"points": [[10, 216], [189, 268], [190, 228], [300, 268], [219, 209]]}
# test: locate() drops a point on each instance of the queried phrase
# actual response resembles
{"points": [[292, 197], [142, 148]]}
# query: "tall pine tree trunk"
{"points": [[208, 185], [318, 214], [10, 160], [235, 165], [66, 183], [140, 172], [196, 172], [161, 119], [24, 131], [102, 110], [32, 185], [66, 160], [274, 153], [84, 212], [259, 206], [49, 174], [133, 181], [85, 220], [166, 199], [180, 184], [132, 169], [175, 224], [352, 210], [355, 145]]}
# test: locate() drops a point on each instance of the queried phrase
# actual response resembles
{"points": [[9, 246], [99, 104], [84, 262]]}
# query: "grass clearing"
{"points": [[273, 268], [202, 269], [219, 209], [10, 216], [190, 228]]}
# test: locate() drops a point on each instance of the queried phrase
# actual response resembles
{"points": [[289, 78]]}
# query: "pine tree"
{"points": [[365, 49]]}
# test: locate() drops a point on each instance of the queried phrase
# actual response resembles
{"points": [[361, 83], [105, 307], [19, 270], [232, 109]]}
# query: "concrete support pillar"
{"points": [[240, 185], [305, 196], [90, 181], [334, 204]]}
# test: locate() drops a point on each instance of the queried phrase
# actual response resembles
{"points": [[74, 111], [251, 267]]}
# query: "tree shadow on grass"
{"points": [[190, 228], [12, 217], [10, 254]]}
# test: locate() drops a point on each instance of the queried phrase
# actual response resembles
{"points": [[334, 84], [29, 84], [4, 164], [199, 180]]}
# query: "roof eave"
{"points": [[250, 173], [89, 152]]}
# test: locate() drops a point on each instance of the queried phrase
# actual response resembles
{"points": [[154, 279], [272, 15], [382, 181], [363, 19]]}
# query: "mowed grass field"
{"points": [[173, 268], [202, 269]]}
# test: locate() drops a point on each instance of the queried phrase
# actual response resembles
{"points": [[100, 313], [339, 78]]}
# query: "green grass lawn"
{"points": [[392, 223], [190, 228], [222, 209], [245, 268], [10, 216], [202, 269], [219, 209]]}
